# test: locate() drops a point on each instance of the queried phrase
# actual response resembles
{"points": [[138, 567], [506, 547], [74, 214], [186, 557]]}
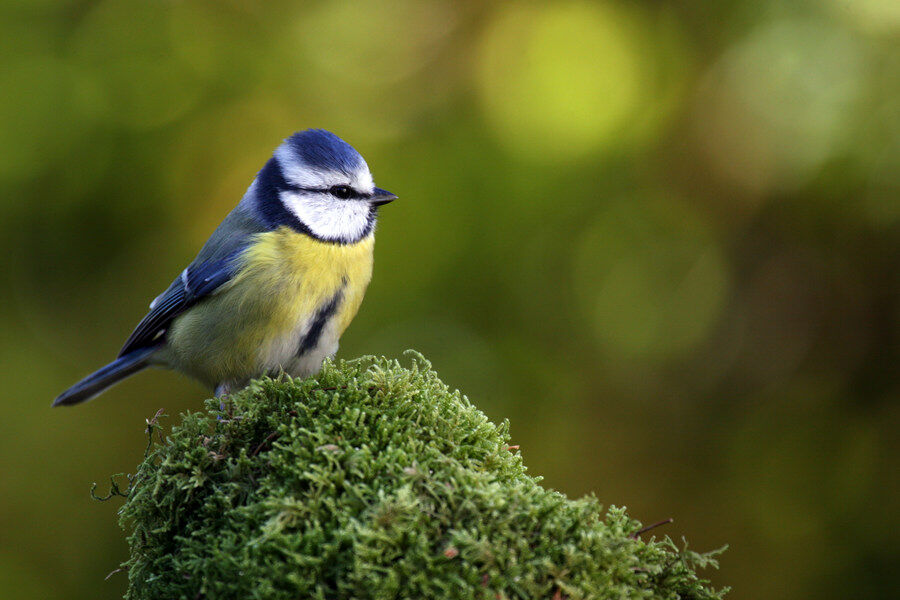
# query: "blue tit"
{"points": [[275, 285]]}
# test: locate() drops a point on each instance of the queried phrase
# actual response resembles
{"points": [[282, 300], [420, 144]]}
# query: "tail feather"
{"points": [[106, 377]]}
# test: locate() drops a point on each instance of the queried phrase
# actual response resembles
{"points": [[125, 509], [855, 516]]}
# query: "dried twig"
{"points": [[638, 533], [268, 439]]}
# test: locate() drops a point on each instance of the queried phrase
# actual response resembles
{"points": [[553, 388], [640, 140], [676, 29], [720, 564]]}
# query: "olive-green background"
{"points": [[661, 237]]}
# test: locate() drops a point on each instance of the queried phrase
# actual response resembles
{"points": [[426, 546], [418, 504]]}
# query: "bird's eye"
{"points": [[341, 191]]}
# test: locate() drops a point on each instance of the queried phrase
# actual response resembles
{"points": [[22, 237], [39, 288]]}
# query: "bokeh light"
{"points": [[880, 17], [651, 277], [541, 111], [661, 238], [778, 105], [352, 62]]}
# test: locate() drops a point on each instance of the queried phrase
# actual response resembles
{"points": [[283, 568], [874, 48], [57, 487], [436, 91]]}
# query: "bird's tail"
{"points": [[106, 377]]}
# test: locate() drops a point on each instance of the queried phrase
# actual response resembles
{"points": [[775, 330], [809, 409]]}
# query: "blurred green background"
{"points": [[661, 237]]}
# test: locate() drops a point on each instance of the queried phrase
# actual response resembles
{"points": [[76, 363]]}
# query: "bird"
{"points": [[274, 286]]}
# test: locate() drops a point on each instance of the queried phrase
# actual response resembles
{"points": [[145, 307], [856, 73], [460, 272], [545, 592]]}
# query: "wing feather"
{"points": [[198, 281], [215, 265]]}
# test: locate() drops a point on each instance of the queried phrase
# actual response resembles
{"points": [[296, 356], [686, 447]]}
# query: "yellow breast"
{"points": [[285, 278], [305, 273]]}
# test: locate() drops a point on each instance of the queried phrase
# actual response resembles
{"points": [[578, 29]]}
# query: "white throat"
{"points": [[344, 221]]}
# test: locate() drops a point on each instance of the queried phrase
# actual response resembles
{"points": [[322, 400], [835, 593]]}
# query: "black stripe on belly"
{"points": [[311, 339]]}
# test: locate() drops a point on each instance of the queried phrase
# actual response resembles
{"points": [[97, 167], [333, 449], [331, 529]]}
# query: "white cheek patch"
{"points": [[344, 220]]}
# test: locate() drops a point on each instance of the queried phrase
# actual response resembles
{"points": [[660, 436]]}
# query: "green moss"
{"points": [[372, 480]]}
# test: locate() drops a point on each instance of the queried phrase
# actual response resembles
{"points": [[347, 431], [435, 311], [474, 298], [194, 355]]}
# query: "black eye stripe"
{"points": [[340, 191], [344, 193]]}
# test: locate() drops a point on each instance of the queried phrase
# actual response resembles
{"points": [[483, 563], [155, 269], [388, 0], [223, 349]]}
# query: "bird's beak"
{"points": [[380, 196]]}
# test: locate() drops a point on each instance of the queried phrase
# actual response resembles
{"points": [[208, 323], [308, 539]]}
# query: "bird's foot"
{"points": [[222, 392]]}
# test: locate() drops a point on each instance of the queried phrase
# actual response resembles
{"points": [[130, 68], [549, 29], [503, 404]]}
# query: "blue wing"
{"points": [[198, 281], [215, 265]]}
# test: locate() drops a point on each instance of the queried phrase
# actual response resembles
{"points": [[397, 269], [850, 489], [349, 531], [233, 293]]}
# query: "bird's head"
{"points": [[318, 184]]}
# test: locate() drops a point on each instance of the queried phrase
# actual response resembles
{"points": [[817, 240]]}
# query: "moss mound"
{"points": [[372, 480]]}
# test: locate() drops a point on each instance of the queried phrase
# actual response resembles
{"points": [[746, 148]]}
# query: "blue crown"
{"points": [[323, 150]]}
